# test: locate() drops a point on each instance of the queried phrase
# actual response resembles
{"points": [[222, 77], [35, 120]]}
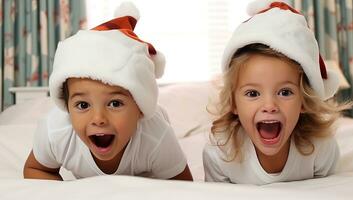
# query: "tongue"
{"points": [[103, 141], [269, 130]]}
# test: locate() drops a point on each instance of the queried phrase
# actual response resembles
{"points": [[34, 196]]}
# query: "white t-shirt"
{"points": [[153, 151], [298, 167]]}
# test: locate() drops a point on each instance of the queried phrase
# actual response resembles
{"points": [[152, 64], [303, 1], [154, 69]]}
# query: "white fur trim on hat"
{"points": [[331, 84], [127, 9], [289, 34], [108, 56], [159, 64]]}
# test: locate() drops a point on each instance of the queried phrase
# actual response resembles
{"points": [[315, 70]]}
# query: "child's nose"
{"points": [[99, 118], [270, 105]]}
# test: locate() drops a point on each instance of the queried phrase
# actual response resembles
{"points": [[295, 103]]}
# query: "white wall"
{"points": [[190, 33]]}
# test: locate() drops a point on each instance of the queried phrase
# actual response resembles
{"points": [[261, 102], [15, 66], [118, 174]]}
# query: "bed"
{"points": [[185, 103]]}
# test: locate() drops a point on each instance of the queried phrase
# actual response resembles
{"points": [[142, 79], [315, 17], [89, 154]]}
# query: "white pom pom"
{"points": [[331, 84], [159, 64], [127, 8], [256, 6]]}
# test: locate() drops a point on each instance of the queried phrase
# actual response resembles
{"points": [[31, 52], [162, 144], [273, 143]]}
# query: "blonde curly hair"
{"points": [[317, 120]]}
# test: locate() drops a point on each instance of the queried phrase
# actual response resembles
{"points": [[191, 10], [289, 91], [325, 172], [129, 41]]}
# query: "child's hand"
{"points": [[184, 175]]}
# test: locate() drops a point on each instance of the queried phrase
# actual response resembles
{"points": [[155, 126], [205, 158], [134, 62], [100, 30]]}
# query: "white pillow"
{"points": [[27, 112], [186, 106], [15, 145]]}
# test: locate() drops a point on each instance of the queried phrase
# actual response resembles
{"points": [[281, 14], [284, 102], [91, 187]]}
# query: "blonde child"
{"points": [[275, 119], [107, 120]]}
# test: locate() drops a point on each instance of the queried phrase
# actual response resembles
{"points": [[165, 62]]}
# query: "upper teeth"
{"points": [[100, 134], [269, 121]]}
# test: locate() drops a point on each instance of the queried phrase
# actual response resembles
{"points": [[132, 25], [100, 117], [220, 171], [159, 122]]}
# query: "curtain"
{"points": [[29, 33], [332, 23]]}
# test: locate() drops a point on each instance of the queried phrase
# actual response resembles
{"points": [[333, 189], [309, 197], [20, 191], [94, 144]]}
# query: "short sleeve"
{"points": [[168, 160], [164, 114], [327, 157], [42, 147], [213, 172]]}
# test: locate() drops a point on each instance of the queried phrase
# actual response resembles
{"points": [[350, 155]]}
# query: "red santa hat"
{"points": [[111, 53], [282, 28]]}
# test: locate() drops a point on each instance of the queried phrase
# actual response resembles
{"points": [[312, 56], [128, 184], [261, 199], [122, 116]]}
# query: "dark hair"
{"points": [[65, 93]]}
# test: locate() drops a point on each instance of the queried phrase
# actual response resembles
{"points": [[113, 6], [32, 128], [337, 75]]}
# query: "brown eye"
{"points": [[82, 105], [252, 93], [115, 104], [285, 92]]}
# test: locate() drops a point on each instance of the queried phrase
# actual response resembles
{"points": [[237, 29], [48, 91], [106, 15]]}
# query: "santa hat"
{"points": [[283, 29], [111, 53]]}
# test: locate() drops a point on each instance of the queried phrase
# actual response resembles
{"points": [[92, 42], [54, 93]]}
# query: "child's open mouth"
{"points": [[269, 130], [102, 141]]}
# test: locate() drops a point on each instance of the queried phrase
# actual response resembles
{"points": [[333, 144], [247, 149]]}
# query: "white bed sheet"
{"points": [[124, 187], [17, 125]]}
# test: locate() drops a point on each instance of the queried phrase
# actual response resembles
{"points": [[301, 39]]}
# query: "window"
{"points": [[191, 34]]}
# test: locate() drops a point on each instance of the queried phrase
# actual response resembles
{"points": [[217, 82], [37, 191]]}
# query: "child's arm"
{"points": [[34, 170], [184, 175]]}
